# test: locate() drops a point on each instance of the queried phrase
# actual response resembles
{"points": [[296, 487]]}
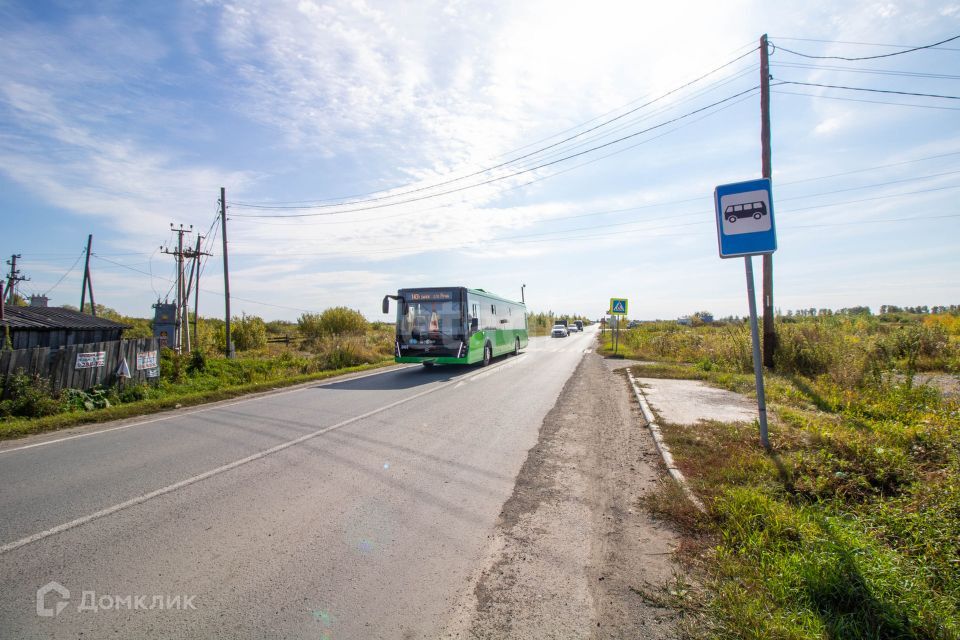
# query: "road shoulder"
{"points": [[148, 417], [575, 554]]}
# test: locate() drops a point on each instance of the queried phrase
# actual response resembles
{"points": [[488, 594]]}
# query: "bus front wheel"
{"points": [[487, 355], [516, 346]]}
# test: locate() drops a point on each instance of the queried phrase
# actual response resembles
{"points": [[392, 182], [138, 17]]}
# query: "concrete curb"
{"points": [[662, 447]]}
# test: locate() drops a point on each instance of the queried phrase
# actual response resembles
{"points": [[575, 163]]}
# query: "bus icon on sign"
{"points": [[744, 212], [755, 210]]}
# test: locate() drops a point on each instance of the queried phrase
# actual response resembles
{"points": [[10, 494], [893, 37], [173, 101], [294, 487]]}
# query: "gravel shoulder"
{"points": [[574, 554]]}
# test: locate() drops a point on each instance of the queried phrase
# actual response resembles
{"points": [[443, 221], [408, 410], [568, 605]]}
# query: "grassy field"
{"points": [[851, 528]]}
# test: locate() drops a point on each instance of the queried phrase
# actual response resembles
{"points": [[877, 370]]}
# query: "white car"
{"points": [[559, 331]]}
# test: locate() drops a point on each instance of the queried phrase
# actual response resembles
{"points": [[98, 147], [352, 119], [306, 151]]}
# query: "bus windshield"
{"points": [[429, 318]]}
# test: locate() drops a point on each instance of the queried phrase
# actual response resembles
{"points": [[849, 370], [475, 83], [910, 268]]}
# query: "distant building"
{"points": [[685, 320], [41, 326]]}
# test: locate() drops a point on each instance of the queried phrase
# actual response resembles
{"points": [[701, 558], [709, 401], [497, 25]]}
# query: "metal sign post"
{"points": [[616, 335], [757, 362], [745, 227], [618, 309]]}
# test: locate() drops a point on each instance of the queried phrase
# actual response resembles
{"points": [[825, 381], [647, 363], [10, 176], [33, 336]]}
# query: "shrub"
{"points": [[171, 365], [914, 342], [134, 393], [96, 398], [350, 351], [28, 396], [337, 321], [198, 362], [248, 332]]}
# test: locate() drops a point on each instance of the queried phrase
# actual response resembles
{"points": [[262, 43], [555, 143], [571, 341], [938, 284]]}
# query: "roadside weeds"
{"points": [[850, 529], [20, 427]]}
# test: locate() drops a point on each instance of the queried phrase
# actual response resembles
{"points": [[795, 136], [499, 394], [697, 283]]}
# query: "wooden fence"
{"points": [[82, 366]]}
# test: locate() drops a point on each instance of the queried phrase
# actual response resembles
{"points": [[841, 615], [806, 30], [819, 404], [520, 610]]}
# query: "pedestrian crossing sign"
{"points": [[618, 306]]}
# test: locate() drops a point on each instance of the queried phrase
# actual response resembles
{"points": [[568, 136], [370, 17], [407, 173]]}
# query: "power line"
{"points": [[873, 199], [524, 238], [681, 201], [751, 46], [265, 304], [273, 221], [834, 86], [873, 168], [871, 221], [872, 186], [852, 59], [248, 205], [878, 72], [150, 264], [866, 44], [886, 102], [504, 177], [649, 116], [69, 271]]}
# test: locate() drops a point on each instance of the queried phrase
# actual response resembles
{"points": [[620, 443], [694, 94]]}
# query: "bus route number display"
{"points": [[430, 296]]}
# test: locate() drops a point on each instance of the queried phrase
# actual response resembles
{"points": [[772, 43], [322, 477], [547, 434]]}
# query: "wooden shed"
{"points": [[55, 327]]}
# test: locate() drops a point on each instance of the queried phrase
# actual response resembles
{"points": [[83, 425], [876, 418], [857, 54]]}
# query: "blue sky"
{"points": [[120, 118]]}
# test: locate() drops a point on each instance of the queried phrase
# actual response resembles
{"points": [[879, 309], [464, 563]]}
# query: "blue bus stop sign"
{"points": [[745, 225]]}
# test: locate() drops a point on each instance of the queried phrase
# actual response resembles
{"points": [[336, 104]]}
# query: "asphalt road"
{"points": [[356, 508]]}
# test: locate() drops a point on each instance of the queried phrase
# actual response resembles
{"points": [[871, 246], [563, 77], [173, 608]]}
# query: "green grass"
{"points": [[851, 527], [169, 397]]}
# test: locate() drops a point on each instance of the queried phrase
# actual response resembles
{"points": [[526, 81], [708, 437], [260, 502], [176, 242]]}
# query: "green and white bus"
{"points": [[456, 325]]}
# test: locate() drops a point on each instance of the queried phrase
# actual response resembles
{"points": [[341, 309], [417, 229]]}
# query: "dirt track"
{"points": [[574, 554]]}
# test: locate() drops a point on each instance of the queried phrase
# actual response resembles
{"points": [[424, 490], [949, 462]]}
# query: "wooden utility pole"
{"points": [[87, 282], [196, 293], [769, 330], [13, 278], [194, 255], [180, 316], [180, 289], [186, 301], [226, 268]]}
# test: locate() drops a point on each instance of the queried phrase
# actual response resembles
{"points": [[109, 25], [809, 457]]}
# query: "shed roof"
{"points": [[52, 319]]}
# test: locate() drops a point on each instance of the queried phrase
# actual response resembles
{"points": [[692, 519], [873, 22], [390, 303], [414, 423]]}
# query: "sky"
{"points": [[571, 147]]}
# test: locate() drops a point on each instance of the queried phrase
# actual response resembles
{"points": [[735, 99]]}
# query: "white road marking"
{"points": [[170, 416], [11, 546]]}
